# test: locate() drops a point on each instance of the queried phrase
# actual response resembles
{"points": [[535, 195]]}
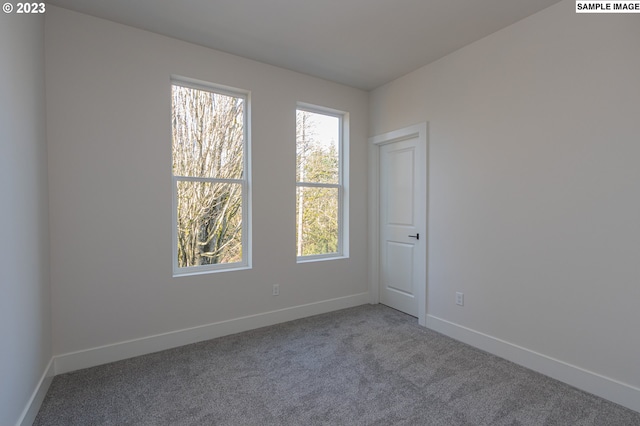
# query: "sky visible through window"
{"points": [[328, 130]]}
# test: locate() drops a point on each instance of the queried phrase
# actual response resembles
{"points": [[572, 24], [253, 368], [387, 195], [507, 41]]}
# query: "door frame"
{"points": [[375, 142]]}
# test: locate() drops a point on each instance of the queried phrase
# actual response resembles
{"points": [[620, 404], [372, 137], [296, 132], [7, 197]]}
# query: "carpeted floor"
{"points": [[369, 365]]}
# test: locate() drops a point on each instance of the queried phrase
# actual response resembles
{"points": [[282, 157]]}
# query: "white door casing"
{"points": [[398, 212]]}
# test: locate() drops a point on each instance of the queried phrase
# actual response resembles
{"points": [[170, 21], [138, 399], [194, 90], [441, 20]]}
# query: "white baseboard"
{"points": [[118, 351], [604, 387], [33, 406]]}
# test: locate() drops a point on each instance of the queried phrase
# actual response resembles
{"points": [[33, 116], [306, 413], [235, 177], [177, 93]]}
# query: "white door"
{"points": [[402, 221]]}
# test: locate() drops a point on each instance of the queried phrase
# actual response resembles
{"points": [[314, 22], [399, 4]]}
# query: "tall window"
{"points": [[319, 183], [210, 178]]}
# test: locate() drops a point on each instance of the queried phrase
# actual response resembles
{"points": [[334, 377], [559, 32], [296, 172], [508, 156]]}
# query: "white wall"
{"points": [[25, 314], [108, 129], [534, 201]]}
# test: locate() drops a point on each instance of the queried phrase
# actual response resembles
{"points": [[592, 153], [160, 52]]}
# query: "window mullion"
{"points": [[318, 185], [208, 179]]}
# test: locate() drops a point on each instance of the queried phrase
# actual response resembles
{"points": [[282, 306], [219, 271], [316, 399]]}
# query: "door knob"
{"points": [[417, 236]]}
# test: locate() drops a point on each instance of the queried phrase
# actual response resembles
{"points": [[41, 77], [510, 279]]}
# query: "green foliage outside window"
{"points": [[318, 162]]}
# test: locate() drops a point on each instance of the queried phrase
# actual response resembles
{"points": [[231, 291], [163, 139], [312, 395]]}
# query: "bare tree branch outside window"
{"points": [[208, 166]]}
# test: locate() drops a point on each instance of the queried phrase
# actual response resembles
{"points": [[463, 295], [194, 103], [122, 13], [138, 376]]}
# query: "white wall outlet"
{"points": [[459, 298], [276, 289]]}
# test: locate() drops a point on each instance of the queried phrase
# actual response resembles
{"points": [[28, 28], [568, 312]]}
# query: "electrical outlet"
{"points": [[276, 290], [459, 298]]}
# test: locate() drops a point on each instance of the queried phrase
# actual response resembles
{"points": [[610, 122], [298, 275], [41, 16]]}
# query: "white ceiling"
{"points": [[360, 43]]}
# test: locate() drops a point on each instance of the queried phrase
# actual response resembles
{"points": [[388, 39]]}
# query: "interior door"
{"points": [[402, 243]]}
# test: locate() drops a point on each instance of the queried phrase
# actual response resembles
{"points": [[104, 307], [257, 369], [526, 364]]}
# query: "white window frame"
{"points": [[342, 185], [245, 182]]}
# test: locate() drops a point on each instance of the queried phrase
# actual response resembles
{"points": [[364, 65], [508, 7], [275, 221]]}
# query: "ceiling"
{"points": [[360, 43]]}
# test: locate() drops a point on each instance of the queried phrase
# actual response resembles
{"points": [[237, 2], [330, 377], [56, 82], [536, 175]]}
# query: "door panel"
{"points": [[399, 267], [399, 180]]}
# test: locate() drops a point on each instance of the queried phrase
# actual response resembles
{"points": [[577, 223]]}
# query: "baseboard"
{"points": [[118, 351], [604, 387], [33, 406]]}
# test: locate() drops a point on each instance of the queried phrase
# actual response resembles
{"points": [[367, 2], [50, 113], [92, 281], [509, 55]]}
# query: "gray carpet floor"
{"points": [[369, 365]]}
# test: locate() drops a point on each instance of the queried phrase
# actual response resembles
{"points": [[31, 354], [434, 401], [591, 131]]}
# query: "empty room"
{"points": [[356, 212]]}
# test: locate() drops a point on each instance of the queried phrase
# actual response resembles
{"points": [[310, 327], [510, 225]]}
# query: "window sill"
{"points": [[210, 271], [321, 258]]}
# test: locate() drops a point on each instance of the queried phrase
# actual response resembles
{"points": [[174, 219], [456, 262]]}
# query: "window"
{"points": [[320, 191], [210, 177]]}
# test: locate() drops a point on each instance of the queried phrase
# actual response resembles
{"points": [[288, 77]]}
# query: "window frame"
{"points": [[342, 185], [245, 183]]}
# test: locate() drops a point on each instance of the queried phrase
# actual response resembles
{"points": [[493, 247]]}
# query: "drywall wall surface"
{"points": [[109, 136], [25, 313], [534, 201]]}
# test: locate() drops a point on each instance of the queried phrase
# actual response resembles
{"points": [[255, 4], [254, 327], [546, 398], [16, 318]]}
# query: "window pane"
{"points": [[209, 223], [317, 220], [317, 139], [208, 134]]}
